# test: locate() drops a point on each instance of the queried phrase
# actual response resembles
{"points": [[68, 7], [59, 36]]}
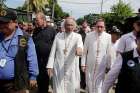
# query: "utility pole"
{"points": [[101, 7], [71, 13], [53, 7]]}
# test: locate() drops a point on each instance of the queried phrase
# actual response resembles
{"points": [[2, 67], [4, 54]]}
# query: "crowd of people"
{"points": [[35, 55]]}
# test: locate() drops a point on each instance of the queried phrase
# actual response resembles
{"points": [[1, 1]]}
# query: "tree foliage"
{"points": [[122, 10], [119, 13], [43, 5], [91, 19], [2, 6], [59, 14], [35, 5]]}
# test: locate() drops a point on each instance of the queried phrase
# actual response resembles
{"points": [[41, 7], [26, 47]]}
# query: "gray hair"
{"points": [[42, 15], [73, 20]]}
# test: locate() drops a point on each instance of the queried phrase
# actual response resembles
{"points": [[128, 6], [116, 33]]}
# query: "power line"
{"points": [[76, 2]]}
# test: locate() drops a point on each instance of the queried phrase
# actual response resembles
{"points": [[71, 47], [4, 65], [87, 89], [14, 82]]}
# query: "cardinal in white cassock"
{"points": [[63, 63]]}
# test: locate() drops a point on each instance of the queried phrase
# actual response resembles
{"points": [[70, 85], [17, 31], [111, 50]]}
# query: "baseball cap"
{"points": [[7, 15]]}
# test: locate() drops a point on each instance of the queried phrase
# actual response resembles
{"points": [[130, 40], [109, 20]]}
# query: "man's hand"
{"points": [[50, 72], [79, 51], [33, 83], [83, 68]]}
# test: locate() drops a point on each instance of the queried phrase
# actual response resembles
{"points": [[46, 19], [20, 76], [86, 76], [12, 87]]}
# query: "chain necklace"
{"points": [[97, 53], [67, 42]]}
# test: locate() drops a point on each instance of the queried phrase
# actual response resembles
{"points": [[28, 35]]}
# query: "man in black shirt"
{"points": [[43, 37]]}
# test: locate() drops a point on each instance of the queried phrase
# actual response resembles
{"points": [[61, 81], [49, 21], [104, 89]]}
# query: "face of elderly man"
{"points": [[40, 19], [70, 25]]}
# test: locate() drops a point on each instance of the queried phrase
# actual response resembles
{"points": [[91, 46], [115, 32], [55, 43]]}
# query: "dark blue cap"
{"points": [[7, 15]]}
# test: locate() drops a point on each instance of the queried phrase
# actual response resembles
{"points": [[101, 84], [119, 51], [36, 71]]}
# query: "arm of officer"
{"points": [[121, 45], [33, 64], [112, 74]]}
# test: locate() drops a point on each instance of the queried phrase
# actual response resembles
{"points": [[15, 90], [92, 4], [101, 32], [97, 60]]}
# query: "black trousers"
{"points": [[43, 78], [82, 76]]}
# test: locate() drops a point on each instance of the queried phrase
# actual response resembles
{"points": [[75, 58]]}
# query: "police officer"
{"points": [[127, 69], [18, 60], [127, 41]]}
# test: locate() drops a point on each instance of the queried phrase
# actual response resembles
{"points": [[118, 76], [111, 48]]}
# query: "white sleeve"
{"points": [[79, 42], [110, 57], [52, 55], [121, 45], [84, 56], [112, 74]]}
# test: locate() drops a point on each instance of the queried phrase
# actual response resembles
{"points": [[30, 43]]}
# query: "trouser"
{"points": [[43, 84], [43, 78], [7, 86], [82, 77]]}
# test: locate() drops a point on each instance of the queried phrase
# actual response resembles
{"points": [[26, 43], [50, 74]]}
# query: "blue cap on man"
{"points": [[7, 15]]}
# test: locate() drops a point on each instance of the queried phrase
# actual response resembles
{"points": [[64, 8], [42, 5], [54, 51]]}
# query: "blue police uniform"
{"points": [[8, 51]]}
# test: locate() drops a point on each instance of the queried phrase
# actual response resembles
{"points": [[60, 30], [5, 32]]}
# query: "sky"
{"points": [[79, 8]]}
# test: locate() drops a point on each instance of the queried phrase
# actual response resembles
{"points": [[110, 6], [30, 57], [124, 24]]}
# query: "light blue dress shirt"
{"points": [[7, 72]]}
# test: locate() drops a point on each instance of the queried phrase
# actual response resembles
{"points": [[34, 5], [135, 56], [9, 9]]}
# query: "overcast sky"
{"points": [[85, 7]]}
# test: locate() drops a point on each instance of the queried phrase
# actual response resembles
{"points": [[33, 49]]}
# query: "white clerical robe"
{"points": [[66, 75], [96, 48]]}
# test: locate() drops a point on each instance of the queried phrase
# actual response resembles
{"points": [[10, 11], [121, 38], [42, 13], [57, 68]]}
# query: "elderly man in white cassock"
{"points": [[63, 62], [97, 48]]}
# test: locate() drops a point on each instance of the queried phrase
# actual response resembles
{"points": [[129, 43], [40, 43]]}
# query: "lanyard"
{"points": [[7, 49]]}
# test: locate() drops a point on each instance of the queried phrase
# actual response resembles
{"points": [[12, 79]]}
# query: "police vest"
{"points": [[21, 65], [129, 77]]}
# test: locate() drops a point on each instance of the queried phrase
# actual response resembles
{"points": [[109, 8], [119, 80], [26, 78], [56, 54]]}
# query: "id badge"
{"points": [[2, 62]]}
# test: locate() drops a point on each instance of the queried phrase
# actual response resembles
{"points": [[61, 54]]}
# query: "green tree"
{"points": [[91, 18], [59, 14], [119, 12], [35, 5], [80, 20], [2, 5]]}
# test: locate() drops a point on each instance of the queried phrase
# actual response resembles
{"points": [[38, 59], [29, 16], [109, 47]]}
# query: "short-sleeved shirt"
{"points": [[126, 43]]}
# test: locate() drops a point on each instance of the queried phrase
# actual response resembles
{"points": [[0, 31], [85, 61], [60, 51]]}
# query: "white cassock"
{"points": [[66, 75], [96, 47]]}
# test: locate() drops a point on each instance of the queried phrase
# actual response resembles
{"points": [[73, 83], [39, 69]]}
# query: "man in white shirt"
{"points": [[97, 45], [127, 41], [126, 68]]}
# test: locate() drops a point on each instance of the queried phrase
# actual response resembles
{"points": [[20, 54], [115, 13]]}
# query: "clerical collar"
{"points": [[68, 33], [99, 33]]}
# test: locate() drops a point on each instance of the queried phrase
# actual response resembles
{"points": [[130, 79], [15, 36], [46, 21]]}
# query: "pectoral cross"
{"points": [[65, 51]]}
